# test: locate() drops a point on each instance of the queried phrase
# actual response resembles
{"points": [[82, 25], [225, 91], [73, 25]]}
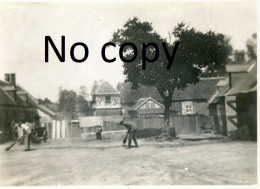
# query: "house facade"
{"points": [[234, 105], [17, 105], [146, 107], [192, 100], [106, 101], [218, 108]]}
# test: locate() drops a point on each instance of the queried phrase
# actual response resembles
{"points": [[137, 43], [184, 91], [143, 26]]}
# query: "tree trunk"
{"points": [[166, 119], [167, 101], [167, 106]]}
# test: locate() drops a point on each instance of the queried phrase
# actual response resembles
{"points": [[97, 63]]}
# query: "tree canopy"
{"points": [[67, 100], [239, 56], [45, 101], [83, 91], [196, 51], [252, 47]]}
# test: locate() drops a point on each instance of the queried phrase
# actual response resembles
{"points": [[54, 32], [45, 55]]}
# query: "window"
{"points": [[187, 108], [108, 99]]}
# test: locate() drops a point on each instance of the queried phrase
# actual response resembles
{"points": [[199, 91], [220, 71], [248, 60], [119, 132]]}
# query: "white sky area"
{"points": [[23, 28]]}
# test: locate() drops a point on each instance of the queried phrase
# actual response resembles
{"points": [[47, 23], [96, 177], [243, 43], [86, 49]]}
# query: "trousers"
{"points": [[131, 136], [27, 142]]}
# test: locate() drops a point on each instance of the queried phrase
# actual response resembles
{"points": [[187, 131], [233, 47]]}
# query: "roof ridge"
{"points": [[108, 86], [146, 99], [6, 94], [99, 87], [211, 78]]}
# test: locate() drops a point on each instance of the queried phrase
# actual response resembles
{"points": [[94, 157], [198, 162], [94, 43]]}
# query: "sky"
{"points": [[23, 27]]}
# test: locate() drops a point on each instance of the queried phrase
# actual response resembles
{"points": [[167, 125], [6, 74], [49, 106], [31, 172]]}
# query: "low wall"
{"points": [[105, 135], [146, 133]]}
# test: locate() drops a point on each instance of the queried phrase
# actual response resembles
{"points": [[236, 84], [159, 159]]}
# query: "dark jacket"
{"points": [[129, 125]]}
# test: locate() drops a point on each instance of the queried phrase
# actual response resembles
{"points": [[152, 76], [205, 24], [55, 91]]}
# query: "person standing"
{"points": [[132, 128], [27, 134]]}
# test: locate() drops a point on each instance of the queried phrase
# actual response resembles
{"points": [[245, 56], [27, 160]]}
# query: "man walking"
{"points": [[132, 128]]}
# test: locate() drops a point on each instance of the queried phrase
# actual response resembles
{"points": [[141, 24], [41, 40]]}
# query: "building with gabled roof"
{"points": [[192, 100], [106, 88], [16, 104], [234, 105], [145, 107], [106, 100]]}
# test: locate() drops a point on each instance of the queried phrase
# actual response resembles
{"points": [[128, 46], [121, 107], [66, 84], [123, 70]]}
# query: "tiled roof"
{"points": [[3, 83], [32, 101], [244, 83], [106, 88], [204, 89], [5, 99], [9, 88], [239, 68], [223, 82], [143, 101]]}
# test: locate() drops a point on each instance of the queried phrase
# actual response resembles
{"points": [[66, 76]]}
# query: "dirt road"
{"points": [[108, 163]]}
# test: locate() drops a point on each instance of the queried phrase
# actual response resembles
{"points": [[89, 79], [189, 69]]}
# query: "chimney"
{"points": [[11, 88], [12, 79], [7, 77]]}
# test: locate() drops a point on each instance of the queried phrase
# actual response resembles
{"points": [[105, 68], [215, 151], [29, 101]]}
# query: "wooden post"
{"points": [[197, 131], [63, 126], [58, 129], [53, 129]]}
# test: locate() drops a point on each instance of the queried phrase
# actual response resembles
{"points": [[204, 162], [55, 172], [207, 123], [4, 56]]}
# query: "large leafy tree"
{"points": [[83, 91], [67, 100], [82, 104], [251, 45], [45, 101], [211, 50], [239, 56], [196, 51]]}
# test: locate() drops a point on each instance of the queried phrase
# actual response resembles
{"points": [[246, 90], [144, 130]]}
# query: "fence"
{"points": [[188, 124], [64, 129], [112, 126]]}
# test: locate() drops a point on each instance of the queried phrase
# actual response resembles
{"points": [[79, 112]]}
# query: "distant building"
{"points": [[146, 107], [106, 101], [192, 100]]}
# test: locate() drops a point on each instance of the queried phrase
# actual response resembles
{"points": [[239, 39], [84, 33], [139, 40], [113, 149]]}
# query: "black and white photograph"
{"points": [[114, 93]]}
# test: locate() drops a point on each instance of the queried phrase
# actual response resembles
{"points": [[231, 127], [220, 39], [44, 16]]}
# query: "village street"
{"points": [[106, 162]]}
